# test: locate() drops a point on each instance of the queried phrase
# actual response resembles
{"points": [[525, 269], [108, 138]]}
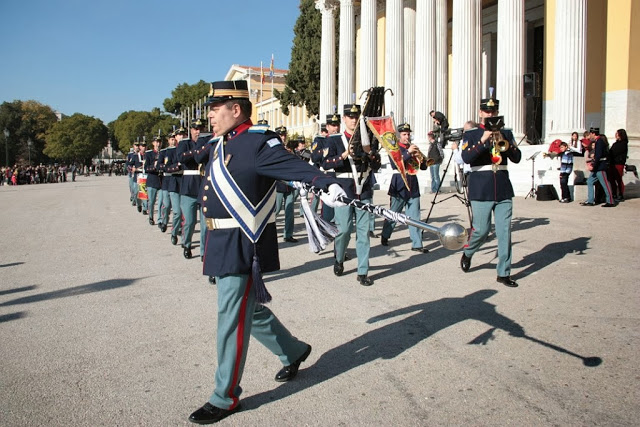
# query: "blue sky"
{"points": [[104, 57]]}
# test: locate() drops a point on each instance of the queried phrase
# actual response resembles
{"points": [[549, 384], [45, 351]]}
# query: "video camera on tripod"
{"points": [[447, 135]]}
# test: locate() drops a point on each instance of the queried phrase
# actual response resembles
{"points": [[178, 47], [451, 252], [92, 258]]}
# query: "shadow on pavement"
{"points": [[553, 252], [16, 290], [389, 341], [12, 316], [11, 264], [104, 285]]}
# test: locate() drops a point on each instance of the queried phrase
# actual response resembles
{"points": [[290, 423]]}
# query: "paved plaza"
{"points": [[104, 323]]}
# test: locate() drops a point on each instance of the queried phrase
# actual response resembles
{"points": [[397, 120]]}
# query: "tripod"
{"points": [[463, 199], [532, 192]]}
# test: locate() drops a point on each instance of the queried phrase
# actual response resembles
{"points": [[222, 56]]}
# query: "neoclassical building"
{"points": [[557, 66]]}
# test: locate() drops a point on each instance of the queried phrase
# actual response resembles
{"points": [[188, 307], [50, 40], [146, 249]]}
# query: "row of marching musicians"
{"points": [[232, 179], [171, 178]]}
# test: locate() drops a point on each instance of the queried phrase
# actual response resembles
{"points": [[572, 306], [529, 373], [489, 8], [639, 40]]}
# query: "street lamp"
{"points": [[29, 148], [6, 146]]}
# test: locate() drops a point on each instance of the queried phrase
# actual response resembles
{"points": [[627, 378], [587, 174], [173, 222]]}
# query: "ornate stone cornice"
{"points": [[326, 5]]}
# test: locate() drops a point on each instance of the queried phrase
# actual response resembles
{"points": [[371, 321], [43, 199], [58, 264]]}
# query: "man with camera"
{"points": [[486, 149]]}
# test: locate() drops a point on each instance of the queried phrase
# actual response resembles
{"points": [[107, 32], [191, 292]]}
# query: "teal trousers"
{"points": [[288, 200], [164, 207], [344, 216], [239, 317], [412, 210], [151, 203], [502, 212], [189, 209], [176, 225]]}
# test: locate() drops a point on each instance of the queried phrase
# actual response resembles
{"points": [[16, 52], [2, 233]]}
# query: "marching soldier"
{"points": [[154, 181], [173, 166], [129, 164], [190, 186], [138, 168], [406, 196], [357, 186], [286, 195], [317, 153], [164, 207], [490, 189], [238, 201]]}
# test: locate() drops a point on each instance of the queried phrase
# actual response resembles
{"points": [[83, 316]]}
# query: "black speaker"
{"points": [[546, 192], [530, 84]]}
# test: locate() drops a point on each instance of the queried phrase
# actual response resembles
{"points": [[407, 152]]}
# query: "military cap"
{"points": [[157, 138], [225, 90], [404, 127], [489, 104], [197, 123], [263, 122], [143, 142], [181, 131], [333, 119], [352, 110], [595, 131], [323, 127], [136, 143], [281, 130]]}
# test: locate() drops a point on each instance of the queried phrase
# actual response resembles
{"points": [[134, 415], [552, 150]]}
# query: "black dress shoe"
{"points": [[421, 250], [212, 280], [144, 212], [364, 280], [372, 234], [289, 372], [507, 281], [290, 240], [163, 227], [465, 263], [174, 240], [609, 205], [384, 241], [346, 257], [187, 253], [152, 222], [139, 208], [587, 204], [210, 414], [338, 268]]}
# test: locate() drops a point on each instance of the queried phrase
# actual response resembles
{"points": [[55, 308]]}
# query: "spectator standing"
{"points": [[617, 159]]}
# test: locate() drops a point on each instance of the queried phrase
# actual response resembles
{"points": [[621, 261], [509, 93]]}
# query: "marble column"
{"points": [[510, 64], [425, 90], [346, 61], [569, 79], [409, 53], [466, 61], [368, 45], [327, 57], [442, 59], [394, 63]]}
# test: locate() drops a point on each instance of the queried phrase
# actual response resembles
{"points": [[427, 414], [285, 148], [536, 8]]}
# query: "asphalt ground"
{"points": [[104, 323]]}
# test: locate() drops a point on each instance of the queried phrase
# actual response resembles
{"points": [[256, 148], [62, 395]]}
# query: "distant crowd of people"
{"points": [[47, 174]]}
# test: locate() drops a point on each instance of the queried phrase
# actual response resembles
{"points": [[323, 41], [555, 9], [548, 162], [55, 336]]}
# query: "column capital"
{"points": [[327, 5]]}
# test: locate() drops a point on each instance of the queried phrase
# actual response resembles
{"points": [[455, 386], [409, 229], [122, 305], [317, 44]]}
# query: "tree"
{"points": [[76, 138], [26, 120], [185, 95], [303, 79], [137, 125]]}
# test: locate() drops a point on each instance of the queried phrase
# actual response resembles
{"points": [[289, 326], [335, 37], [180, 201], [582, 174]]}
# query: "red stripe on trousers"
{"points": [[240, 342]]}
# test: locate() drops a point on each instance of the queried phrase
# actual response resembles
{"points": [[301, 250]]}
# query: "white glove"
{"points": [[330, 198]]}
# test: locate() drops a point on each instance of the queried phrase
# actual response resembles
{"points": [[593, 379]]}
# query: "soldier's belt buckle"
{"points": [[211, 224], [494, 167]]}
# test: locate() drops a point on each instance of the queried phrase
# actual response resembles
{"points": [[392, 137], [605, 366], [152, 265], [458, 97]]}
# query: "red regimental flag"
{"points": [[384, 130]]}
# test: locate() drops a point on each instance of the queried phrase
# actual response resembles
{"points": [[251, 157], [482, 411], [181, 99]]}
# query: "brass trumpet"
{"points": [[499, 142], [418, 158]]}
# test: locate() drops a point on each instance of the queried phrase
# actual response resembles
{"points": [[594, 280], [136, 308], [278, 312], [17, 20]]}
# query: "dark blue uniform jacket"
{"points": [[488, 185], [172, 168], [256, 160], [151, 167], [334, 147], [397, 188]]}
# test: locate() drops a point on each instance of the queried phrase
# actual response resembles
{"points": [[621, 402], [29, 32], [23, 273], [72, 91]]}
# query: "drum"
{"points": [[142, 186]]}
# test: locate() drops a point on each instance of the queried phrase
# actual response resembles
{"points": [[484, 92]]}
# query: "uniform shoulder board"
{"points": [[470, 130], [213, 140], [259, 129], [164, 148]]}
